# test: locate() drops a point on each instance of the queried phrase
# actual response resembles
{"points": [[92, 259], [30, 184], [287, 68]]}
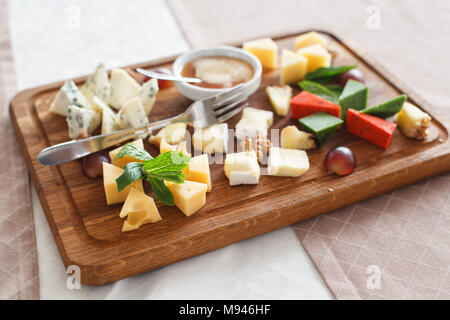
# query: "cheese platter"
{"points": [[315, 137]]}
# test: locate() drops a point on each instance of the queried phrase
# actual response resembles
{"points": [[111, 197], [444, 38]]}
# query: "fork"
{"points": [[200, 114]]}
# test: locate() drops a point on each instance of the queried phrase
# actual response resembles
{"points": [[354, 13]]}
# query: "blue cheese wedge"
{"points": [[123, 88], [68, 95], [82, 122], [97, 85], [147, 94], [132, 115], [108, 115]]}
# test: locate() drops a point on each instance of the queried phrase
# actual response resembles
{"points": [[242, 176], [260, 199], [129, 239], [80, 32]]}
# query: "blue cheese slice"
{"points": [[97, 85], [81, 121], [108, 115], [132, 115], [123, 88], [147, 94], [68, 95]]}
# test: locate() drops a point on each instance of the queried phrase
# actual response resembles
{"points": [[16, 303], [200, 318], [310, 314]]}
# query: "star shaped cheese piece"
{"points": [[139, 209]]}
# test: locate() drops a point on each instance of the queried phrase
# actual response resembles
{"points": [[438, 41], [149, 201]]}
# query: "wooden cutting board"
{"points": [[88, 232]]}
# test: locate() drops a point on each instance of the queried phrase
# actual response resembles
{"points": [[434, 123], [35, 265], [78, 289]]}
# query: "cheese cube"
{"points": [[140, 209], [180, 147], [97, 85], [413, 122], [173, 134], [253, 122], [287, 162], [280, 98], [82, 122], [242, 168], [213, 139], [292, 138], [68, 95], [132, 115], [123, 88], [317, 55], [189, 196], [266, 50], [198, 170], [110, 174], [293, 67], [308, 39], [147, 94], [126, 159]]}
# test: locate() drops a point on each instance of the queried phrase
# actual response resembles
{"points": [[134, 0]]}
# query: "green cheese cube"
{"points": [[388, 108], [354, 95], [321, 125]]}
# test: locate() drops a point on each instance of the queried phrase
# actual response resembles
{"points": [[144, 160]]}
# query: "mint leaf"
{"points": [[335, 88], [166, 164], [161, 191], [132, 172], [322, 73], [319, 90], [134, 152]]}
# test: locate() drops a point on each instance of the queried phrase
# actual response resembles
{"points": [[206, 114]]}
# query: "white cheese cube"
{"points": [[123, 88], [213, 139], [68, 95], [97, 85], [253, 122], [108, 115], [258, 115], [243, 177], [82, 122], [242, 168], [147, 94], [287, 162], [131, 115]]}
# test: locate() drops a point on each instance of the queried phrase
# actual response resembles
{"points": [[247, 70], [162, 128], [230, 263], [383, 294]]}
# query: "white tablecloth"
{"points": [[54, 40]]}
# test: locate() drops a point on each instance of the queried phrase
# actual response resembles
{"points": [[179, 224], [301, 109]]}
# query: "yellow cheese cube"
{"points": [[287, 162], [317, 55], [308, 39], [266, 50], [189, 196], [173, 134], [110, 174], [213, 139], [198, 170], [140, 209], [292, 138], [124, 160], [293, 67], [180, 147], [280, 98]]}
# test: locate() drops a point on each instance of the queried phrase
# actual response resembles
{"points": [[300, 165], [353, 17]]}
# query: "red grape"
{"points": [[340, 161], [353, 74], [92, 165], [162, 84]]}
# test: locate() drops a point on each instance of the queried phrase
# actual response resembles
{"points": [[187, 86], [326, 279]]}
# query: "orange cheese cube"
{"points": [[266, 50], [198, 170], [124, 160], [110, 174], [308, 39], [317, 55], [189, 196]]}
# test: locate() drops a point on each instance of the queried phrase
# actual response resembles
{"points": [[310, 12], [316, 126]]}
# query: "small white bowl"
{"points": [[194, 92]]}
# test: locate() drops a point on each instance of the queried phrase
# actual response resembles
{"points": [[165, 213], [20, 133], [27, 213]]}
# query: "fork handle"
{"points": [[72, 150]]}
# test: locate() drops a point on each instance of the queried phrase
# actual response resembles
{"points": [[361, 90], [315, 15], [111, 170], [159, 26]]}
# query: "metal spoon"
{"points": [[161, 76]]}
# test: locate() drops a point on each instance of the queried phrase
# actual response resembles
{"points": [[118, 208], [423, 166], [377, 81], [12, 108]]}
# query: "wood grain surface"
{"points": [[88, 232]]}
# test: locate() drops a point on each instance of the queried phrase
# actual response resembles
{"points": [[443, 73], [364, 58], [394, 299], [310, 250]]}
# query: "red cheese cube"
{"points": [[373, 129], [305, 104]]}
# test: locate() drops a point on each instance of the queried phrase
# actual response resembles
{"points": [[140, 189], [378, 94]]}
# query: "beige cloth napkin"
{"points": [[19, 278], [396, 246]]}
